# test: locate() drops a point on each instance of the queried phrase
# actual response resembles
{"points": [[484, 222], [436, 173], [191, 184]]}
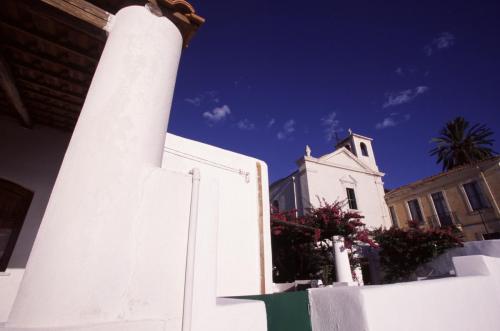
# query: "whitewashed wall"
{"points": [[30, 158], [467, 302], [9, 283], [153, 300], [238, 252], [443, 264], [287, 193]]}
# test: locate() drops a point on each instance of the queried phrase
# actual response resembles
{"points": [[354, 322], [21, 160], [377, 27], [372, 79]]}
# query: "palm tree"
{"points": [[459, 145]]}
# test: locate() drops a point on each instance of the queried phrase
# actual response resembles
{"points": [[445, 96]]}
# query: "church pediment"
{"points": [[344, 158]]}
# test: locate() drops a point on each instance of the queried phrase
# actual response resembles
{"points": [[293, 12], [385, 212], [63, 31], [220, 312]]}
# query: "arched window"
{"points": [[364, 150]]}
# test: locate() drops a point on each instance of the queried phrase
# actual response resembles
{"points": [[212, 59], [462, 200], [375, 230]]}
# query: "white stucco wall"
{"points": [[9, 284], [443, 264], [30, 158], [330, 183], [287, 193], [238, 252], [154, 300], [467, 302], [111, 248]]}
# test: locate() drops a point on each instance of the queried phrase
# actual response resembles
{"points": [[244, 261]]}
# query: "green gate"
{"points": [[286, 311]]}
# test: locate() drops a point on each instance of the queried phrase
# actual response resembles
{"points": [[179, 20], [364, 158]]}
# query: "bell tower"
{"points": [[361, 147]]}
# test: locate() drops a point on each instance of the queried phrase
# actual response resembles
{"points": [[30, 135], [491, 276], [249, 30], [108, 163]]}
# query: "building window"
{"points": [[364, 150], [351, 199], [415, 211], [443, 214], [14, 204], [394, 218], [475, 195], [348, 147]]}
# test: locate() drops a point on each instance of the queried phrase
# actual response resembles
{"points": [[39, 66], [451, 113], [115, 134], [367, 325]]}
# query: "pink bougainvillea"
{"points": [[302, 244]]}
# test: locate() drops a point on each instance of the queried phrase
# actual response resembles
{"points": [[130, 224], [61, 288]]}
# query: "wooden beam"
{"points": [[30, 89], [56, 93], [51, 100], [82, 10], [49, 41], [77, 84], [12, 93], [48, 59], [40, 9], [51, 108], [56, 89], [52, 112]]}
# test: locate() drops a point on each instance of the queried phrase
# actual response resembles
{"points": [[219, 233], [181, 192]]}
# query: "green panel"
{"points": [[286, 311]]}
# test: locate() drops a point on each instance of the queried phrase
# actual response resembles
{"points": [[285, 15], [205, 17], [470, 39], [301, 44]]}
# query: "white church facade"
{"points": [[349, 175]]}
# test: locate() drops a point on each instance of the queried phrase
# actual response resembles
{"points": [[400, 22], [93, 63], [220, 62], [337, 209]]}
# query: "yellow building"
{"points": [[468, 197]]}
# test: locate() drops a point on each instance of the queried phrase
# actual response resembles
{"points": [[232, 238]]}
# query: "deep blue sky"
{"points": [[262, 78]]}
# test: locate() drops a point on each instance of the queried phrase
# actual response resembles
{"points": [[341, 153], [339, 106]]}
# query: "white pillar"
{"points": [[342, 265], [84, 254]]}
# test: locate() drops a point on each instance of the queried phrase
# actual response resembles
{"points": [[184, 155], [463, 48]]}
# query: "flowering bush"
{"points": [[302, 245], [402, 251]]}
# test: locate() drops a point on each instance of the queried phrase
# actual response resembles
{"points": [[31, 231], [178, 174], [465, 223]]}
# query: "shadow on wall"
{"points": [[30, 158]]}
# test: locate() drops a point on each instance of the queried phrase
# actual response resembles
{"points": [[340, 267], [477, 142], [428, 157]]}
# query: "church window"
{"points": [[364, 150], [351, 199]]}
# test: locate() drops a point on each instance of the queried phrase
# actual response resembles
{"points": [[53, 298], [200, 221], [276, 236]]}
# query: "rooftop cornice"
{"points": [[451, 175]]}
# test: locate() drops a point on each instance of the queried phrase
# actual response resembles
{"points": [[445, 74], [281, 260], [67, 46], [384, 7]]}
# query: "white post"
{"points": [[84, 254], [342, 265]]}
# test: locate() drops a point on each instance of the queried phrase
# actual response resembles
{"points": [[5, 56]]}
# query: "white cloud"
{"points": [[406, 70], [217, 114], [204, 98], [271, 123], [331, 124], [288, 129], [245, 124], [443, 41], [386, 123], [405, 96], [196, 101], [392, 120]]}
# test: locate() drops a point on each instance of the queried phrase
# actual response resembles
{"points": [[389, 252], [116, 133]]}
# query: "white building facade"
{"points": [[128, 227], [349, 174]]}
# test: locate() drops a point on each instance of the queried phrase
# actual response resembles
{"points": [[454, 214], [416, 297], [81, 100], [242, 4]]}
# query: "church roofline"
{"points": [[352, 135], [321, 160]]}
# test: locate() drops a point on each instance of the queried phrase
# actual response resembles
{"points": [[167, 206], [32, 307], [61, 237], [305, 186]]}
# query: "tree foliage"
{"points": [[459, 144]]}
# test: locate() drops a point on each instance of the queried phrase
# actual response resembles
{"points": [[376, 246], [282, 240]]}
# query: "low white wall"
{"points": [[238, 253], [9, 283], [443, 264], [468, 302], [30, 158]]}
